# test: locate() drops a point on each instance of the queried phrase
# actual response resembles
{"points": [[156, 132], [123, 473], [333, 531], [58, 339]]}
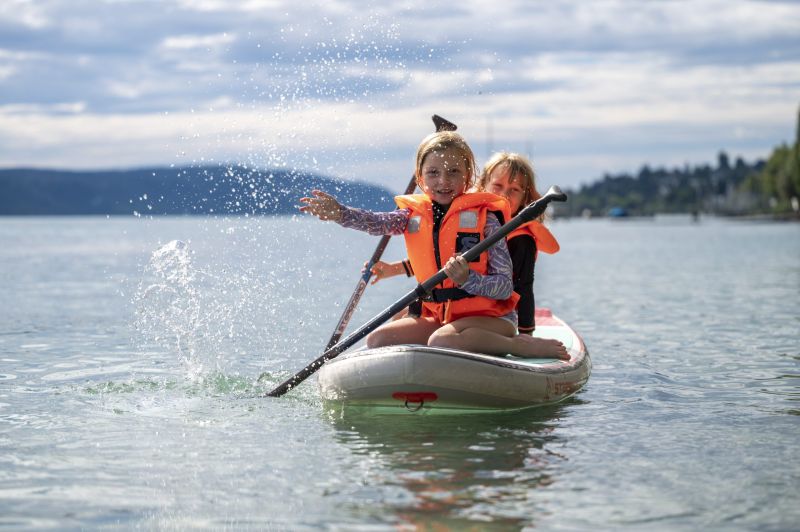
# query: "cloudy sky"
{"points": [[346, 88]]}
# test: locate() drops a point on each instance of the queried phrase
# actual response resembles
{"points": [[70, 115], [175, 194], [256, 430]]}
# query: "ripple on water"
{"points": [[35, 347]]}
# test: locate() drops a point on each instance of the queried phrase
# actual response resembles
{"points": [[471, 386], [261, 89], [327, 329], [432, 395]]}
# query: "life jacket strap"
{"points": [[440, 295]]}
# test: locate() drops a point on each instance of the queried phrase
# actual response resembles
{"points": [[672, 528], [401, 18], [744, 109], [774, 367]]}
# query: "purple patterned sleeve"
{"points": [[497, 283], [375, 223]]}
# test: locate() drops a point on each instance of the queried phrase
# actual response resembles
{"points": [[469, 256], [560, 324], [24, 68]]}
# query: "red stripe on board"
{"points": [[415, 397], [543, 316]]}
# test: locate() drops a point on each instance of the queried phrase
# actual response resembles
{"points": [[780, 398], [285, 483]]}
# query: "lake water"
{"points": [[132, 369]]}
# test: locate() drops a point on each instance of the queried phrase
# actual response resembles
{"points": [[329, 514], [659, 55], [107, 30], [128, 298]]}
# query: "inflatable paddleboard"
{"points": [[417, 378]]}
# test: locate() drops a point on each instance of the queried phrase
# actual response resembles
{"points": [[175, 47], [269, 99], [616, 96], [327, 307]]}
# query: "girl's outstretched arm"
{"points": [[375, 223], [325, 207]]}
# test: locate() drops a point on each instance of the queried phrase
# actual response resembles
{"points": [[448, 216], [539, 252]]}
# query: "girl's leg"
{"points": [[494, 336], [403, 331]]}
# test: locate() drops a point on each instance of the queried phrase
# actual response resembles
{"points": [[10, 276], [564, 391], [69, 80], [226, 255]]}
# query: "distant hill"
{"points": [[230, 189]]}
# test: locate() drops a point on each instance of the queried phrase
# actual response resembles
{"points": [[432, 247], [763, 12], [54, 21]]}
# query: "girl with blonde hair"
{"points": [[474, 309]]}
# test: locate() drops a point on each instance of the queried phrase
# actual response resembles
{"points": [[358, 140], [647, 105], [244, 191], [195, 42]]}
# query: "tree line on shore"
{"points": [[764, 187]]}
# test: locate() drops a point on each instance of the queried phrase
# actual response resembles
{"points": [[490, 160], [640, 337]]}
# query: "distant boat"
{"points": [[617, 212]]}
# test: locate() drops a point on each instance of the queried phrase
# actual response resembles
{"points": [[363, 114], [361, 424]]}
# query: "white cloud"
{"points": [[24, 13], [6, 71], [225, 6], [187, 42], [37, 110]]}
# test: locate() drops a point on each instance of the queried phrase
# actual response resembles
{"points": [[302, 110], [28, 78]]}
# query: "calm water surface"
{"points": [[131, 369]]}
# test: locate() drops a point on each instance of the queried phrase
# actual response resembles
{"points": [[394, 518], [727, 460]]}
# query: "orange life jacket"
{"points": [[461, 228], [545, 241]]}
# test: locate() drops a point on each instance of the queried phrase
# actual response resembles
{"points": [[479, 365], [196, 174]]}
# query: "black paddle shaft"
{"points": [[525, 215], [441, 124]]}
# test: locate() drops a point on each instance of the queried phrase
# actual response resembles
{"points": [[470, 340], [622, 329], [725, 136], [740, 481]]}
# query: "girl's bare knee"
{"points": [[376, 339], [435, 340], [443, 338]]}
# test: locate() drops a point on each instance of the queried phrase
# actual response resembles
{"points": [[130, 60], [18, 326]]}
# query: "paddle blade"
{"points": [[443, 124], [555, 194]]}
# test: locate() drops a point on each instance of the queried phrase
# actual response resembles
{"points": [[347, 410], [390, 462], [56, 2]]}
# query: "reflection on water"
{"points": [[458, 472]]}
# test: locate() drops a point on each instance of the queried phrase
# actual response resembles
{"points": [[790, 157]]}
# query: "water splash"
{"points": [[169, 306], [215, 306]]}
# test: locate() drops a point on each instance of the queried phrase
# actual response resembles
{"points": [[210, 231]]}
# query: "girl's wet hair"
{"points": [[444, 140], [520, 170]]}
